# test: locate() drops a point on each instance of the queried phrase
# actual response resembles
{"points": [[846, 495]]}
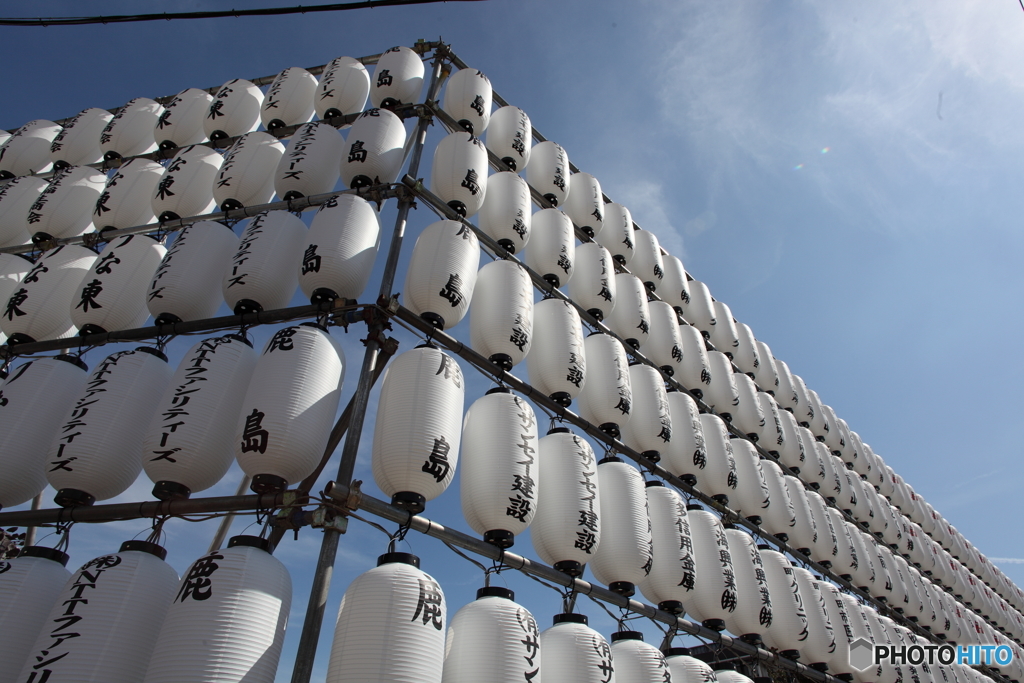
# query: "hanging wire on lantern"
{"points": [[157, 530]]}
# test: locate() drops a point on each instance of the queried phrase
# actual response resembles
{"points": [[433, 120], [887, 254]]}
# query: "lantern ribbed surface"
{"points": [[890, 673], [585, 203], [593, 285], [29, 586], [16, 198], [752, 496], [695, 373], [186, 284], [98, 447], [120, 601], [28, 149], [826, 546], [186, 187], [289, 99], [786, 394], [397, 78], [390, 628], [442, 273], [552, 249], [419, 423], [649, 428], [673, 573], [181, 122], [675, 288], [246, 178], [567, 525], [290, 404], [835, 608], [631, 316], [625, 553], [65, 208], [719, 477], [501, 314], [373, 152], [262, 274], [132, 130], [791, 451], [716, 594], [648, 263], [126, 200], [40, 307], [500, 469], [821, 639], [190, 439], [753, 612], [864, 573], [780, 515], [506, 214], [663, 345], [36, 397], [343, 87], [112, 295], [770, 436], [607, 395], [226, 623], [766, 375], [548, 172], [804, 534], [724, 334], [700, 310], [861, 628], [745, 354], [492, 634], [234, 111], [467, 98], [557, 363], [573, 652], [686, 669], [685, 454], [721, 395], [638, 662], [340, 249], [459, 173], [78, 143], [833, 435], [510, 137], [310, 162], [789, 627], [617, 233], [748, 416]]}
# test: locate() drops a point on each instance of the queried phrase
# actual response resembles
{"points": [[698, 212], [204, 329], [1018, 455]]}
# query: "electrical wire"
{"points": [[167, 16]]}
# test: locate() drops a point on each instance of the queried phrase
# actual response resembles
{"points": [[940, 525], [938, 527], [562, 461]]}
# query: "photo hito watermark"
{"points": [[865, 654]]}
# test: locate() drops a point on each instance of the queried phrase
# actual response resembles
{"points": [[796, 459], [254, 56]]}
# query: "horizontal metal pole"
{"points": [[354, 499]]}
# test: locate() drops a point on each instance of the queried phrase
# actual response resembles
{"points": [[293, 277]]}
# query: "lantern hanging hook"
{"points": [[399, 535], [157, 530], [63, 530]]}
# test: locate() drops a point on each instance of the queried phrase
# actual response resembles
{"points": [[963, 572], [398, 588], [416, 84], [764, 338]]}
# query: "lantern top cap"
{"points": [[74, 360], [45, 553], [677, 651], [654, 482], [400, 558], [610, 458], [495, 592], [694, 506], [627, 635], [559, 430], [498, 390], [570, 618], [144, 547], [152, 351], [250, 541]]}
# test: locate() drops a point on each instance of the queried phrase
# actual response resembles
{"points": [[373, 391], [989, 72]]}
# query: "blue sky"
{"points": [[844, 176]]}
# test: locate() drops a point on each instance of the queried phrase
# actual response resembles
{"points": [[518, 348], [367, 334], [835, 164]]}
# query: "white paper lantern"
{"points": [[695, 373], [29, 585], [748, 416], [606, 398], [664, 345], [16, 198], [724, 335], [584, 203], [27, 151], [826, 545], [835, 609], [246, 178], [617, 232], [310, 164], [779, 517], [289, 407], [186, 186], [672, 581], [112, 295], [467, 98], [730, 676], [593, 286], [549, 172], [716, 596], [127, 198], [752, 494], [340, 249], [289, 99], [506, 213], [510, 137], [342, 90], [501, 315], [624, 557], [636, 660], [36, 397], [419, 426], [721, 395], [442, 273], [375, 147], [803, 535], [186, 285], [131, 131], [4, 136], [572, 652], [686, 669], [40, 307], [189, 444], [675, 288], [97, 452], [397, 78], [766, 375], [227, 622], [700, 310], [459, 173], [745, 354], [786, 394], [753, 612], [78, 143], [13, 267], [833, 435], [557, 363], [685, 456], [494, 634], [120, 601], [234, 111], [791, 452], [771, 436], [552, 250], [649, 428], [719, 479], [181, 122], [631, 316], [261, 275], [821, 638], [566, 529], [64, 209], [647, 263], [788, 631]]}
